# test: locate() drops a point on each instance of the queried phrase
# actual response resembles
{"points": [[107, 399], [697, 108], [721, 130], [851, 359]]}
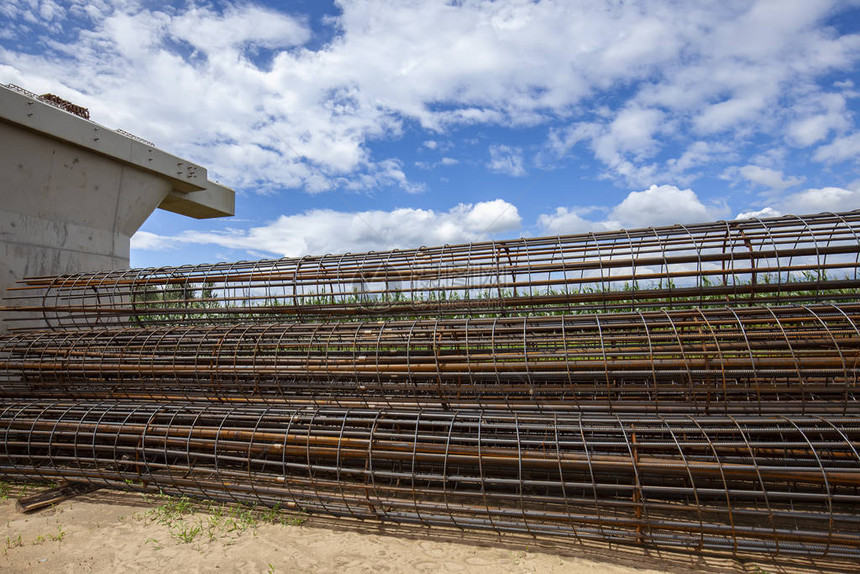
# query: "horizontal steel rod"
{"points": [[778, 484], [687, 387], [781, 260], [708, 359]]}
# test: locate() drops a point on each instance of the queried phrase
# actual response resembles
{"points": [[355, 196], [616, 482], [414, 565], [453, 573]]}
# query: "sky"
{"points": [[361, 125]]}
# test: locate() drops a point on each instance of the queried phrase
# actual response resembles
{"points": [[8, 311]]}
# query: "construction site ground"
{"points": [[111, 531]]}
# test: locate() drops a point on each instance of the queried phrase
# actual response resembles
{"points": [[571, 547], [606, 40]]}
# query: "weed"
{"points": [[295, 520], [244, 518], [60, 534], [170, 508], [186, 533], [154, 542], [14, 542], [221, 520], [39, 540], [271, 515], [275, 515]]}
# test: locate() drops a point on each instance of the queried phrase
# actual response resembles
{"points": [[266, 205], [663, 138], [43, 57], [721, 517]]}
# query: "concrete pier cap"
{"points": [[73, 192]]}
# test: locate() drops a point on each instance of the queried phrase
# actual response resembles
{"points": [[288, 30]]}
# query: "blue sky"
{"points": [[368, 124]]}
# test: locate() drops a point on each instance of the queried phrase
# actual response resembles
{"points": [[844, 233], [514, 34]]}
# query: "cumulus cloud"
{"points": [[818, 200], [813, 200], [697, 154], [321, 231], [632, 130], [267, 101], [839, 150], [758, 214], [248, 25], [564, 221], [767, 177], [151, 241], [664, 205], [668, 205], [727, 114], [657, 205]]}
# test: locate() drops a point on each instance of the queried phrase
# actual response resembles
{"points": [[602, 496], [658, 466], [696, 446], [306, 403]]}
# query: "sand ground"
{"points": [[114, 532]]}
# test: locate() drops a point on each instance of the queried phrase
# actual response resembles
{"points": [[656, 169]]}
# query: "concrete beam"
{"points": [[72, 192], [205, 198]]}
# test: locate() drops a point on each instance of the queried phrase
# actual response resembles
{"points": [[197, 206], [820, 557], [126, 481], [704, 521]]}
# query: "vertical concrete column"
{"points": [[72, 192]]}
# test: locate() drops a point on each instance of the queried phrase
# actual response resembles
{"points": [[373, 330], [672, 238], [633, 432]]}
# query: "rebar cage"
{"points": [[781, 260], [778, 484], [698, 360], [690, 388]]}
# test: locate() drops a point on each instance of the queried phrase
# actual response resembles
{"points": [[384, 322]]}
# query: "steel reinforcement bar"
{"points": [[753, 359], [779, 484], [781, 260]]}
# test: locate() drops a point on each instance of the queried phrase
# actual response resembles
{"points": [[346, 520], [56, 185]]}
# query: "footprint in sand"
{"points": [[432, 550]]}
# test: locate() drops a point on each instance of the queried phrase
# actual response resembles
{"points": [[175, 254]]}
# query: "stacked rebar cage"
{"points": [[684, 387]]}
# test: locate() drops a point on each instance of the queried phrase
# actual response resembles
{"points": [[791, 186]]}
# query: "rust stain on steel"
{"points": [[689, 388]]}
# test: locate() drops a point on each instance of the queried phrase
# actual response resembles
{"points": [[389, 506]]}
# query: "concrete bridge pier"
{"points": [[73, 192]]}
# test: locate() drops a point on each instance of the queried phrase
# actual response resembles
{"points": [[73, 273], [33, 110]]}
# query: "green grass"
{"points": [[189, 520]]}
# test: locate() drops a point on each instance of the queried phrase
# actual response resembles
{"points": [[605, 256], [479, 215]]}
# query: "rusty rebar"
{"points": [[686, 387], [781, 260], [704, 360], [776, 484]]}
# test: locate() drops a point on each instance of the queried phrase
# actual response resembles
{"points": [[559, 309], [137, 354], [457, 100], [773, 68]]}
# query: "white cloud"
{"points": [[489, 216], [818, 200], [758, 214], [698, 153], [49, 10], [151, 241], [564, 221], [657, 205], [663, 205], [818, 117], [839, 150], [668, 205], [632, 130], [444, 162], [249, 25], [241, 90], [770, 178], [814, 200], [506, 160], [321, 231], [386, 172], [729, 113]]}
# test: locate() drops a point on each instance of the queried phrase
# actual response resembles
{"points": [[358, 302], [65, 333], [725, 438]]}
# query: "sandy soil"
{"points": [[126, 532]]}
